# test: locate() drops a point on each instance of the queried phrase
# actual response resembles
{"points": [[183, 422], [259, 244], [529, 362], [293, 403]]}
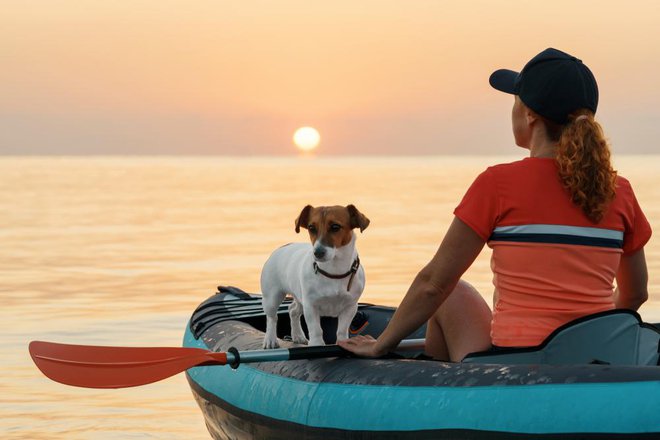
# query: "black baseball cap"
{"points": [[554, 84]]}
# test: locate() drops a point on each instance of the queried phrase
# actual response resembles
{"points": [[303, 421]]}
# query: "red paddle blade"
{"points": [[116, 367]]}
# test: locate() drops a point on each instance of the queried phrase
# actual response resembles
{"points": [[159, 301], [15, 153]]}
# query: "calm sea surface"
{"points": [[119, 251]]}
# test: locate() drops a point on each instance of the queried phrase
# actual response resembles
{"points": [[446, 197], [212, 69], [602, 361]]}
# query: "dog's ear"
{"points": [[303, 218], [358, 220]]}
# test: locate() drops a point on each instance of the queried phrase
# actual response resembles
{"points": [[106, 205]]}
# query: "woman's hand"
{"points": [[362, 346]]}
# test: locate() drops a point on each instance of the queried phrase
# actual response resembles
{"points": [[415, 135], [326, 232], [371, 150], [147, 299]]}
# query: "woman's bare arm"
{"points": [[431, 287]]}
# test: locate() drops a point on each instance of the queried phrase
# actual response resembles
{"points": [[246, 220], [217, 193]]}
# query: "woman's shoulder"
{"points": [[527, 162], [622, 182], [624, 189], [523, 168]]}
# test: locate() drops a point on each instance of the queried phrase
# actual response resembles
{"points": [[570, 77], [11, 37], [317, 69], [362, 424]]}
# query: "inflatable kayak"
{"points": [[611, 393]]}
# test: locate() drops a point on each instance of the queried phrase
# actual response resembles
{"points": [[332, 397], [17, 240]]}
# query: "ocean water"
{"points": [[120, 250]]}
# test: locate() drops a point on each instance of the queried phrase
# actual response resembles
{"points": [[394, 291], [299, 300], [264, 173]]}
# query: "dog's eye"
{"points": [[312, 229], [335, 227]]}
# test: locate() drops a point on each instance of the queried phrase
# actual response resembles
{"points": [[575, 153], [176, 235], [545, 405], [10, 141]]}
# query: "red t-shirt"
{"points": [[550, 263]]}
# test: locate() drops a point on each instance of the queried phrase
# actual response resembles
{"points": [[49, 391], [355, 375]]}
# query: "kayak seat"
{"points": [[616, 337]]}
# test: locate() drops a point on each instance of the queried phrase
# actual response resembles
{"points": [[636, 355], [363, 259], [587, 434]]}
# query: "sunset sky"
{"points": [[374, 77]]}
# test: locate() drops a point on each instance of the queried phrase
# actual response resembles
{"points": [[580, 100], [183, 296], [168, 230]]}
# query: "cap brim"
{"points": [[504, 80]]}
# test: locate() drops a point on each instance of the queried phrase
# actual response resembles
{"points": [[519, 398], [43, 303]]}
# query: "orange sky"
{"points": [[389, 77]]}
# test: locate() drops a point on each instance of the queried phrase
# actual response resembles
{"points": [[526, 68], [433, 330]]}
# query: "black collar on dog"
{"points": [[351, 272]]}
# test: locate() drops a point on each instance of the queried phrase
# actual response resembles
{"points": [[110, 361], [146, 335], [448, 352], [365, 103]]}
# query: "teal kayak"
{"points": [[405, 397]]}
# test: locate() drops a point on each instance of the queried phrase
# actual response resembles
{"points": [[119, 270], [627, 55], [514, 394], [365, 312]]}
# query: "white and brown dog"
{"points": [[324, 278]]}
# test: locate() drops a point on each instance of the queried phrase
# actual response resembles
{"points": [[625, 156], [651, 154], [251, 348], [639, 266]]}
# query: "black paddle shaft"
{"points": [[317, 352]]}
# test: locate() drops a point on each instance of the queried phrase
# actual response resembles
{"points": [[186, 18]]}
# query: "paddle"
{"points": [[91, 366]]}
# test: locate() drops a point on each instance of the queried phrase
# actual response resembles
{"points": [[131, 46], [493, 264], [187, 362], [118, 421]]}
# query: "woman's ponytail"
{"points": [[583, 156]]}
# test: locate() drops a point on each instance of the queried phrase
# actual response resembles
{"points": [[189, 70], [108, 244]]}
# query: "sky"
{"points": [[215, 77]]}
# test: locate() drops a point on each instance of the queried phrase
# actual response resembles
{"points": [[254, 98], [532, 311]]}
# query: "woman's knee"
{"points": [[465, 321], [465, 299]]}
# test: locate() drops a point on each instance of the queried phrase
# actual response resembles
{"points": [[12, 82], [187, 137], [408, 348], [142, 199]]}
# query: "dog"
{"points": [[325, 277]]}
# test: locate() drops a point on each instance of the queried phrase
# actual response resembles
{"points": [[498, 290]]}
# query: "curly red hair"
{"points": [[583, 157]]}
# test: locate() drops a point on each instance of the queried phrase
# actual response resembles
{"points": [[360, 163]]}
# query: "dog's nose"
{"points": [[319, 252]]}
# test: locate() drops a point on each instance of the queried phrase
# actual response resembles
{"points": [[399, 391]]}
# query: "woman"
{"points": [[561, 223]]}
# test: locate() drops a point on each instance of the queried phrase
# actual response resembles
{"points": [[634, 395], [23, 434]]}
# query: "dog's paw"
{"points": [[299, 339], [318, 341], [271, 343]]}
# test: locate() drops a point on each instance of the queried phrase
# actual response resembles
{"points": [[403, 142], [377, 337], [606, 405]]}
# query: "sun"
{"points": [[306, 138]]}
